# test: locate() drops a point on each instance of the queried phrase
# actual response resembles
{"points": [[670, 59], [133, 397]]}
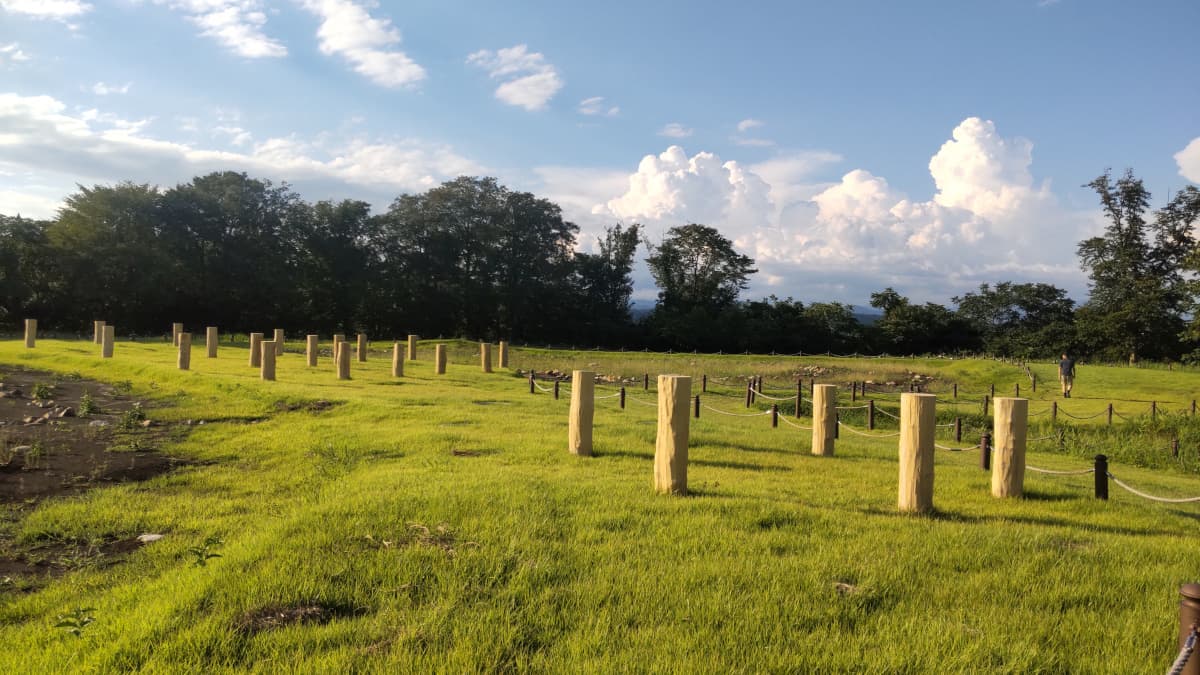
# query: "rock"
{"points": [[147, 538]]}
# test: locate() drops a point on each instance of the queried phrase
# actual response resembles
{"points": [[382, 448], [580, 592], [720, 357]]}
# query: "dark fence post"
{"points": [[748, 388], [993, 392], [556, 390], [955, 391], [1053, 411], [957, 429], [774, 416], [1174, 447], [837, 424], [985, 452], [871, 415], [1110, 414], [697, 406], [1193, 407], [531, 384], [622, 398], [1153, 409], [1101, 477], [646, 382], [704, 384], [1017, 390], [985, 404], [1033, 383], [854, 391]]}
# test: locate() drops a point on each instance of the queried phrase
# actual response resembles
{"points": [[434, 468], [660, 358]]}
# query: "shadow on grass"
{"points": [[956, 517], [714, 463]]}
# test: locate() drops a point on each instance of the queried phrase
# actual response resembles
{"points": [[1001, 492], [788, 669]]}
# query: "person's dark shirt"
{"points": [[1066, 367]]}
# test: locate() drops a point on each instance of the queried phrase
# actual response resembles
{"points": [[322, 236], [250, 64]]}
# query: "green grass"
{"points": [[513, 555]]}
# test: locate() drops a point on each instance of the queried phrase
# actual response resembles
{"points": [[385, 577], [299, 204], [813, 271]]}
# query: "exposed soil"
{"points": [[277, 616]]}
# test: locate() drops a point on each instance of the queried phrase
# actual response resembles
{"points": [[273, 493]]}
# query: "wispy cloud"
{"points": [[11, 53], [747, 124], [529, 80], [102, 89], [236, 25], [675, 130], [368, 43], [595, 106]]}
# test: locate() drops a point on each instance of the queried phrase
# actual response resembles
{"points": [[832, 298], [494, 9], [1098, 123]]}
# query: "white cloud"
{"points": [[754, 142], [529, 80], [236, 24], [596, 106], [38, 135], [368, 43], [675, 130], [102, 89], [11, 53], [59, 10], [748, 124], [1188, 160], [237, 135]]}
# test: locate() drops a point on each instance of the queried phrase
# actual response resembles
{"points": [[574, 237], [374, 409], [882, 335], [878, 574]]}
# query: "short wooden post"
{"points": [[985, 452], [397, 360], [754, 386], [503, 354], [812, 386], [176, 329], [342, 359], [824, 404], [1101, 474], [1153, 409], [992, 393], [269, 353], [211, 338], [1189, 621], [671, 445], [871, 415], [362, 347], [98, 332], [583, 404], [107, 340], [1010, 429], [918, 422], [1175, 447], [1017, 390], [1193, 407], [704, 384], [556, 390], [622, 398], [256, 340], [311, 342], [532, 384], [774, 413], [985, 404], [277, 339], [799, 396], [1054, 412], [1033, 383], [412, 347], [338, 339], [958, 430], [485, 357], [837, 426], [646, 382], [748, 388], [697, 406], [1110, 414], [439, 360], [30, 333], [184, 360]]}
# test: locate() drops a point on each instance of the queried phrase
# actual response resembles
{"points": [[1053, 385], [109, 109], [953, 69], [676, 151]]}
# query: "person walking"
{"points": [[1066, 374]]}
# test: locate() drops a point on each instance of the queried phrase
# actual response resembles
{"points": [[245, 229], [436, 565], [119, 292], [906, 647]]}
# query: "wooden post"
{"points": [[646, 382], [503, 353], [397, 360], [583, 403], [955, 391], [985, 452], [1033, 382], [671, 445], [362, 347], [439, 360], [854, 391], [774, 413], [871, 415], [697, 406], [1193, 407], [1175, 447], [704, 384], [256, 340], [338, 339], [30, 333], [1153, 409], [342, 359], [753, 391], [824, 404], [622, 398], [1189, 620], [958, 430], [278, 340], [555, 389], [918, 422], [211, 338], [992, 393], [1053, 412], [98, 332], [107, 340], [485, 358], [1017, 390], [176, 329], [412, 347], [799, 396], [269, 352], [1101, 475], [1010, 430], [311, 343], [1110, 414], [985, 404], [184, 360]]}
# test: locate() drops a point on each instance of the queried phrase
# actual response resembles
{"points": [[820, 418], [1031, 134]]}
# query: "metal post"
{"points": [[1101, 477], [871, 415], [957, 429], [622, 398], [775, 416], [697, 406], [1189, 621], [985, 452], [556, 390]]}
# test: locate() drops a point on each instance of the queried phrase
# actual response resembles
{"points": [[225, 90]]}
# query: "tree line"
{"points": [[473, 258]]}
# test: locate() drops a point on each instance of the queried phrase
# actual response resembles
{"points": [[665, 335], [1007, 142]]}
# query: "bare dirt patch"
{"points": [[278, 616], [56, 557]]}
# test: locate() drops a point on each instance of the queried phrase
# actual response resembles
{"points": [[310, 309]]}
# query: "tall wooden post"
{"points": [[485, 358], [918, 422], [824, 405], [269, 352], [412, 347], [671, 444], [1009, 433], [30, 333], [362, 347], [256, 340], [503, 353], [583, 403], [98, 332], [397, 360], [184, 360], [210, 341], [342, 359], [439, 360], [311, 342], [278, 340], [107, 340], [176, 329]]}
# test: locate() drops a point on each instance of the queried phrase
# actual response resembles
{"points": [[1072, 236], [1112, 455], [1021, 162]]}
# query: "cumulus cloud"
{"points": [[368, 43], [1188, 160], [675, 130], [58, 10], [596, 106], [11, 53], [236, 25], [102, 89], [40, 136], [529, 81]]}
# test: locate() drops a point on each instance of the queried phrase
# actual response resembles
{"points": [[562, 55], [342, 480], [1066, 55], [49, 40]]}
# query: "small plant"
{"points": [[76, 621], [42, 392], [124, 386], [204, 552], [88, 405], [132, 418]]}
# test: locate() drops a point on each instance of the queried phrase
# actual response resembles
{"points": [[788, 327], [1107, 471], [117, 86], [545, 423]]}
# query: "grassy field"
{"points": [[437, 524]]}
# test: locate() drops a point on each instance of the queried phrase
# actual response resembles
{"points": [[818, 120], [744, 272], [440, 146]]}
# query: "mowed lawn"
{"points": [[438, 524]]}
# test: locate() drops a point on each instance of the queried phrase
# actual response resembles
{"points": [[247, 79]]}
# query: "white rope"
{"points": [[1042, 438], [1059, 473], [863, 433], [773, 398], [793, 424], [601, 398], [884, 412], [722, 412], [635, 400], [545, 389], [944, 426], [1089, 417], [943, 447], [1152, 497]]}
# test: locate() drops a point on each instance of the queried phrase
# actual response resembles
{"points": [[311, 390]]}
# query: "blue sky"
{"points": [[846, 146]]}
